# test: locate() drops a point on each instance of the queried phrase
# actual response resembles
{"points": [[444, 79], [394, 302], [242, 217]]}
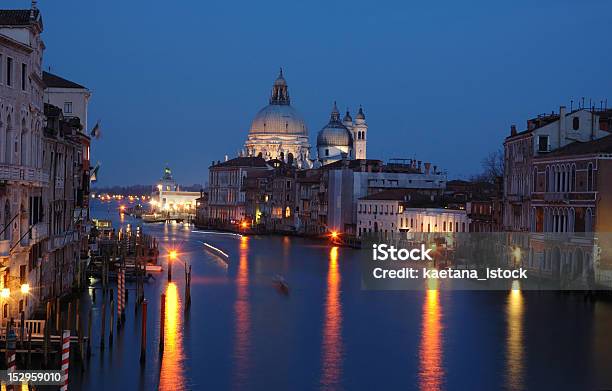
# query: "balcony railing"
{"points": [[39, 232], [11, 172]]}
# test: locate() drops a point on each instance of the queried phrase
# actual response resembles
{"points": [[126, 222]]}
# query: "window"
{"points": [[24, 75], [67, 107], [9, 71], [590, 178], [326, 152], [576, 123], [542, 143], [573, 179]]}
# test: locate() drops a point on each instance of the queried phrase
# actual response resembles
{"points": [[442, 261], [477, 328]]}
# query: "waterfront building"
{"points": [[346, 181], [167, 196], [65, 202], [226, 192], [72, 98], [310, 207], [394, 211], [482, 201], [544, 134], [278, 131], [202, 213], [342, 139], [21, 169], [270, 198]]}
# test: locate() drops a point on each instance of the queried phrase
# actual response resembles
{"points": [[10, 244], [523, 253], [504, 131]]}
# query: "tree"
{"points": [[492, 167]]}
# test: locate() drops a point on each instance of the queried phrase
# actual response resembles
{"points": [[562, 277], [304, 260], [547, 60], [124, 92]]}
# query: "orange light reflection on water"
{"points": [[172, 372], [514, 340], [431, 371], [332, 329], [243, 315]]}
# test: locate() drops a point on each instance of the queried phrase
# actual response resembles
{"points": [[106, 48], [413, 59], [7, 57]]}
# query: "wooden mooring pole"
{"points": [[143, 334], [162, 322]]}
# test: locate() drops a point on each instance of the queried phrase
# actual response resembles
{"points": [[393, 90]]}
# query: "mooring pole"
{"points": [[143, 335], [162, 322]]}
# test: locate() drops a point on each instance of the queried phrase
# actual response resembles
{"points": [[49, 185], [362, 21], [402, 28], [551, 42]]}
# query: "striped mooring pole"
{"points": [[65, 359], [11, 345], [120, 295]]}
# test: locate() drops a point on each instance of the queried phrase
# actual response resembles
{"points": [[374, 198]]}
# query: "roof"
{"points": [[243, 161], [55, 81], [18, 17], [601, 145], [392, 195]]}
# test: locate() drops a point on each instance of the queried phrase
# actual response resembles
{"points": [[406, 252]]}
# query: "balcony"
{"points": [[39, 232], [16, 173], [556, 197]]}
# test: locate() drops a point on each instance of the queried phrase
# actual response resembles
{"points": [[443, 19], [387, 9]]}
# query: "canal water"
{"points": [[327, 333]]}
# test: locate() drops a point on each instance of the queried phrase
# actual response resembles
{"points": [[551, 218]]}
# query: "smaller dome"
{"points": [[360, 114], [334, 137], [334, 134], [347, 117]]}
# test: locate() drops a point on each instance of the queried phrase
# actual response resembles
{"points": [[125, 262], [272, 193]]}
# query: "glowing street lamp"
{"points": [[25, 289], [5, 293], [244, 225]]}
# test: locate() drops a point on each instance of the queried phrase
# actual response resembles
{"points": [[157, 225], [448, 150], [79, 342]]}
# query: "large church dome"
{"points": [[279, 117]]}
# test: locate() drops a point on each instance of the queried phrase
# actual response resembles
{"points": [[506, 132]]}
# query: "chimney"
{"points": [[419, 165], [427, 166], [362, 165], [226, 158], [512, 130], [562, 129], [435, 170]]}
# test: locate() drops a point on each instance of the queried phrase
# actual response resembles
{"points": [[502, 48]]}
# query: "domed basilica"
{"points": [[279, 132]]}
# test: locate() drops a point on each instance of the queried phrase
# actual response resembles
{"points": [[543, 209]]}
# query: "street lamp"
{"points": [[25, 289]]}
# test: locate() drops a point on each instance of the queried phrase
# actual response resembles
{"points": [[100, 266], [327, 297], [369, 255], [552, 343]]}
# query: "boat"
{"points": [[281, 284]]}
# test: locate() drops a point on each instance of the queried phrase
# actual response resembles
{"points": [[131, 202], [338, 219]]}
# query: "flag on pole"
{"points": [[96, 131], [93, 176]]}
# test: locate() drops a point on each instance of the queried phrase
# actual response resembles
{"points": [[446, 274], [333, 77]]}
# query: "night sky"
{"points": [[178, 82]]}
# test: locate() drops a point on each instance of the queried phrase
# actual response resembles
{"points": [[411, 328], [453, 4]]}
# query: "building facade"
{"points": [[168, 197], [394, 211], [226, 191], [21, 174], [543, 135]]}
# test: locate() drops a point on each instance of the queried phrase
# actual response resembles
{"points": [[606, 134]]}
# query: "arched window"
{"points": [[588, 221], [576, 123], [590, 177], [573, 178], [547, 184], [23, 142], [535, 180]]}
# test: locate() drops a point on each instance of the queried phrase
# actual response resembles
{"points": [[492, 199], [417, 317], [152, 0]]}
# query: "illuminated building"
{"points": [[168, 197]]}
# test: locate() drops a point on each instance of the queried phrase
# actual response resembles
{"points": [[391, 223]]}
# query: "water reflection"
{"points": [[431, 372], [514, 340], [243, 315], [172, 372], [332, 331]]}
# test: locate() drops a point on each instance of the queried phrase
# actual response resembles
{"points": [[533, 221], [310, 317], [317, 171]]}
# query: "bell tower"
{"points": [[360, 135]]}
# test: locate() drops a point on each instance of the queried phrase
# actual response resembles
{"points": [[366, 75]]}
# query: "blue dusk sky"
{"points": [[178, 82]]}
